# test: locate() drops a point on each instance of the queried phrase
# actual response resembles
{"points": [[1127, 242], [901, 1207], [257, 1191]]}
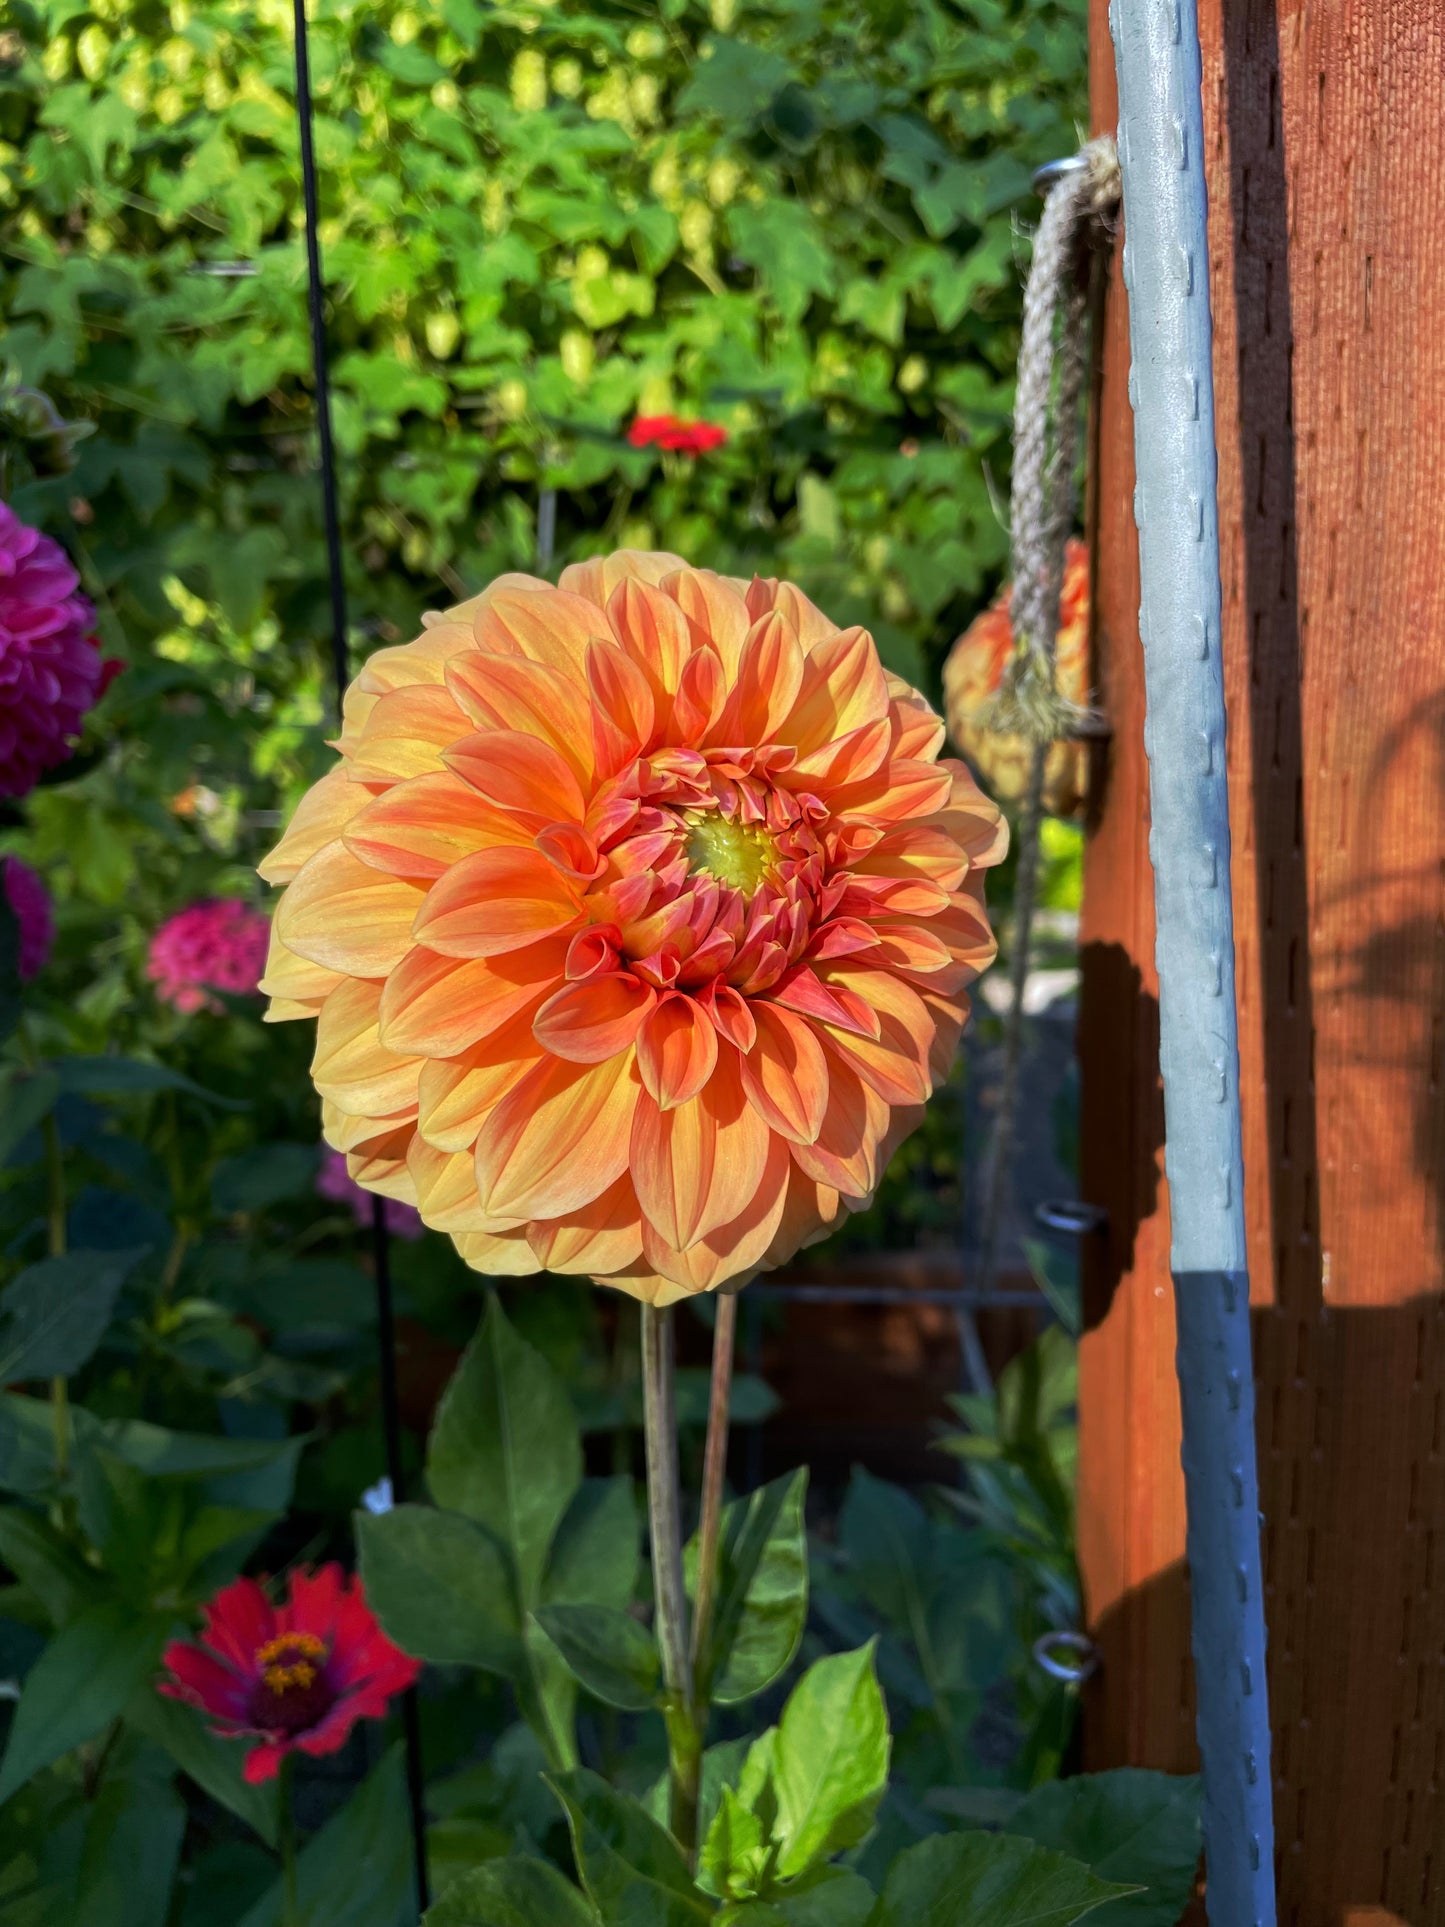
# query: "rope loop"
{"points": [[1081, 196]]}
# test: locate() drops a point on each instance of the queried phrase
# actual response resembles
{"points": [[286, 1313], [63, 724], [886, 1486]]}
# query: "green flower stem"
{"points": [[290, 1905], [714, 1473], [664, 1511]]}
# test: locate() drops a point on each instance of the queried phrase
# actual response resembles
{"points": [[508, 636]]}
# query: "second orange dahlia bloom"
{"points": [[636, 921]]}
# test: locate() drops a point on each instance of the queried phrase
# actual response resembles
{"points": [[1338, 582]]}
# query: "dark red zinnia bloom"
{"points": [[672, 433], [295, 1675]]}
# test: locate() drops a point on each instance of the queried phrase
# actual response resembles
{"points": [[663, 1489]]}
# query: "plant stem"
{"points": [[664, 1512], [714, 1472], [59, 1391], [290, 1906]]}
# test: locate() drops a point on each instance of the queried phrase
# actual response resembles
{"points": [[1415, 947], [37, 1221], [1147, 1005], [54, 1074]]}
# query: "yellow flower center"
{"points": [[290, 1660], [742, 854]]}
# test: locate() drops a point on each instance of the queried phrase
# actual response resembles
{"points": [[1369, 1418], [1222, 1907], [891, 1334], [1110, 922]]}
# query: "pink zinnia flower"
{"points": [[334, 1181], [216, 945], [30, 901], [672, 433], [51, 671], [297, 1675]]}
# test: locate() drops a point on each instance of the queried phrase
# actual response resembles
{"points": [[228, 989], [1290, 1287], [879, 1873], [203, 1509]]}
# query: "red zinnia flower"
{"points": [[295, 1675], [672, 433]]}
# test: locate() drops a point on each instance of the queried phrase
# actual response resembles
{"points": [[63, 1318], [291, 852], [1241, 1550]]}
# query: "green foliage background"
{"points": [[798, 219]]}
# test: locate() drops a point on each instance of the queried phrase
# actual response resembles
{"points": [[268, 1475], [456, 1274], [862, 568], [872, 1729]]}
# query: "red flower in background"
{"points": [[297, 1675], [672, 433]]}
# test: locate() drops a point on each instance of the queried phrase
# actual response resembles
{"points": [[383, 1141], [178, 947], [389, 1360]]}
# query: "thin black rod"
{"points": [[380, 1243]]}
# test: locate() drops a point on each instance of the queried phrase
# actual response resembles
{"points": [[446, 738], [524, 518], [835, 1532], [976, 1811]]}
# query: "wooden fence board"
{"points": [[1326, 136]]}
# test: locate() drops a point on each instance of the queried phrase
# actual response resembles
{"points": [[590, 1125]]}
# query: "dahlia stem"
{"points": [[290, 1906], [714, 1473], [664, 1511]]}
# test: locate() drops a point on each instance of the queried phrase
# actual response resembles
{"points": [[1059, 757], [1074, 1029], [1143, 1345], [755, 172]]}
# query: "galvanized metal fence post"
{"points": [[1166, 272]]}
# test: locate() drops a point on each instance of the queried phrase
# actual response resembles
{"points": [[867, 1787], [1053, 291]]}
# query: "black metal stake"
{"points": [[380, 1243]]}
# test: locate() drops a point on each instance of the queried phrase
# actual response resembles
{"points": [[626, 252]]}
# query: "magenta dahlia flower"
{"points": [[219, 944], [335, 1182], [51, 670], [30, 901]]}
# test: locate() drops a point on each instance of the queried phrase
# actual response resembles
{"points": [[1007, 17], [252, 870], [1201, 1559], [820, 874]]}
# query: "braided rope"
{"points": [[1053, 360]]}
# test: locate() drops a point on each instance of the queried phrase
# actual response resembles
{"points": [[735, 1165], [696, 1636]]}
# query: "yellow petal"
{"points": [[342, 914]]}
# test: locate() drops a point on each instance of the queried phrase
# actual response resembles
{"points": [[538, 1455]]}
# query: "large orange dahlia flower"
{"points": [[635, 921]]}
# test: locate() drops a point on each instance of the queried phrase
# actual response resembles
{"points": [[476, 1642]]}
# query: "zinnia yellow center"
{"points": [[288, 1661], [741, 854]]}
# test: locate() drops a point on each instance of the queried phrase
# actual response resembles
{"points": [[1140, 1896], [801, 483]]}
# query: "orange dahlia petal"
{"points": [[895, 1064], [456, 1094], [623, 711], [844, 688], [716, 614], [296, 985], [436, 1005], [653, 631], [605, 1235], [676, 1050], [351, 1066], [421, 827], [547, 625], [346, 1133], [769, 676], [445, 1186], [589, 1022], [531, 698], [321, 815], [732, 1251], [844, 1155], [341, 913], [405, 734], [497, 1255], [805, 618], [899, 792], [785, 1074], [520, 774], [559, 1138], [596, 579], [695, 1167], [495, 901], [810, 1211]]}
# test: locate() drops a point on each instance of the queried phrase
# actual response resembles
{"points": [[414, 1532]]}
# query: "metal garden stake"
{"points": [[1166, 271]]}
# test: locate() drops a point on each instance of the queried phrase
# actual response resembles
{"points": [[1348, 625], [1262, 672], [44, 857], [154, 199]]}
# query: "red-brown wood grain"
{"points": [[1325, 145]]}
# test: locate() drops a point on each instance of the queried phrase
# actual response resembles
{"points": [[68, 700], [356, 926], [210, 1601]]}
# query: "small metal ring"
{"points": [[1084, 1649], [1052, 172], [1071, 1215]]}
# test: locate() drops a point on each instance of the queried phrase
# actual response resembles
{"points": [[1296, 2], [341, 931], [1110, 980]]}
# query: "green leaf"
{"points": [[441, 1586], [594, 1555], [734, 1856], [547, 1698], [1128, 1825], [80, 1683], [518, 1892], [830, 1760], [505, 1448], [762, 1594], [46, 1563], [28, 1100], [987, 1880], [55, 1314], [263, 1176], [614, 1657], [834, 1897], [257, 1474], [357, 1871], [784, 243], [132, 1845], [213, 1763], [630, 1866], [128, 1077]]}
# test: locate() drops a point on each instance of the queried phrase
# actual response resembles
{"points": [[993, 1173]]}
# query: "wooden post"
{"points": [[1325, 139]]}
